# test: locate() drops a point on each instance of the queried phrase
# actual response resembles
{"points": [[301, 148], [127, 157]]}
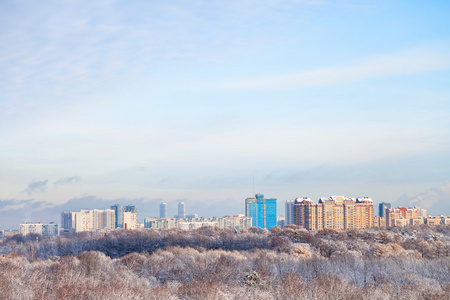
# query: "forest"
{"points": [[210, 263]]}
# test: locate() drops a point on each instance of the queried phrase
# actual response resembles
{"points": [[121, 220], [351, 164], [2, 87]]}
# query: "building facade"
{"points": [[434, 221], [67, 220], [119, 211], [235, 222], [46, 229], [229, 222], [335, 212], [393, 214], [163, 210], [382, 209], [118, 215], [181, 210], [289, 212], [129, 220], [262, 211], [88, 220]]}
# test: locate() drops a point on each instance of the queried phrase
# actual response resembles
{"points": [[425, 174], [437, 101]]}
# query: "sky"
{"points": [[210, 102]]}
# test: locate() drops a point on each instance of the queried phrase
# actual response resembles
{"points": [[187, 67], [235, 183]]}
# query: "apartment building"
{"points": [[46, 229], [237, 222], [335, 212], [88, 220], [393, 214]]}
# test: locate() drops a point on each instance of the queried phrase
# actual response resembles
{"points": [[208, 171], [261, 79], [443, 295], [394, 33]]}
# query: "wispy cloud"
{"points": [[403, 63], [36, 187], [67, 180], [436, 200], [11, 203], [434, 197]]}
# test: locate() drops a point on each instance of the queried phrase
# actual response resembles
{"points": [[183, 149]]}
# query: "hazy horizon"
{"points": [[149, 102]]}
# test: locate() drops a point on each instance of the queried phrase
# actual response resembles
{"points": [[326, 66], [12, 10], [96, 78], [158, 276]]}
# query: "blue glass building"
{"points": [[119, 210], [262, 211], [382, 209]]}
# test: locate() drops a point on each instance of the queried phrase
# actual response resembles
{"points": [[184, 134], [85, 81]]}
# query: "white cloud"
{"points": [[402, 63], [436, 200]]}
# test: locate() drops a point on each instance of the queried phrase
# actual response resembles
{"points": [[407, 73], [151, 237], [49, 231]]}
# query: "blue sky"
{"points": [[149, 101]]}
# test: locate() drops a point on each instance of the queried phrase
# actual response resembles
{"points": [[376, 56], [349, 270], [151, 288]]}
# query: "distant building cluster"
{"points": [[339, 212], [100, 220], [403, 216], [335, 212], [236, 222]]}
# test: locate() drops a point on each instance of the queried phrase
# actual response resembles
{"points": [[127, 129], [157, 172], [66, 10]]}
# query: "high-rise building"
{"points": [[88, 220], [262, 211], [335, 212], [130, 208], [163, 210], [129, 220], [181, 210], [118, 212], [289, 212], [67, 220], [382, 209]]}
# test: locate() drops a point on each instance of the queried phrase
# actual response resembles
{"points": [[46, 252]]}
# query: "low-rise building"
{"points": [[8, 233], [445, 220], [434, 220], [281, 221], [394, 214], [237, 222], [418, 221], [379, 221], [46, 229], [400, 222]]}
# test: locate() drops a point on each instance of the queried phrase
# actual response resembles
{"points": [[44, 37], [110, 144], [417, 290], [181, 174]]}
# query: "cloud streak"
{"points": [[403, 63], [36, 187], [438, 197], [67, 180]]}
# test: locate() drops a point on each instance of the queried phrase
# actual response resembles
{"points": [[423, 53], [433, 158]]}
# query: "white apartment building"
{"points": [[89, 220], [49, 229], [237, 222], [129, 220], [190, 225]]}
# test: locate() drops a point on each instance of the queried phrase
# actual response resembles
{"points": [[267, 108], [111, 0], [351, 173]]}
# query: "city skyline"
{"points": [[52, 216], [211, 102]]}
